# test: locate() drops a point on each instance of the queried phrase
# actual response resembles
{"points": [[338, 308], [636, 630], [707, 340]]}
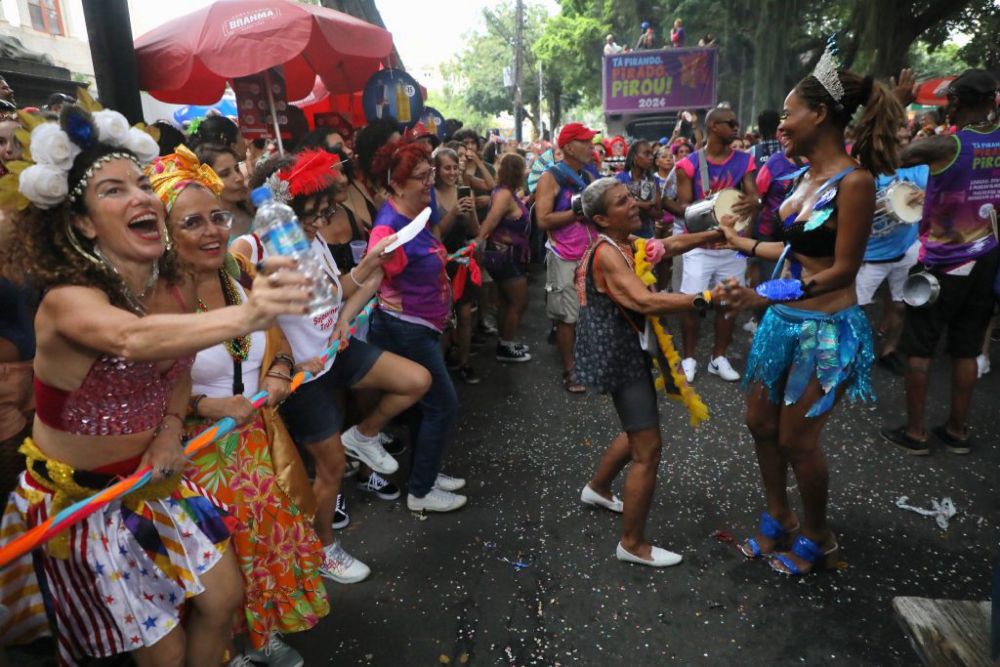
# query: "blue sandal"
{"points": [[769, 528], [808, 551]]}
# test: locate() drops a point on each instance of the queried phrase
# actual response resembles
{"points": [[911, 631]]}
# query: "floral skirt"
{"points": [[277, 548], [116, 581]]}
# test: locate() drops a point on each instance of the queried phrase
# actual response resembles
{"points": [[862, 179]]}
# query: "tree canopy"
{"points": [[765, 45]]}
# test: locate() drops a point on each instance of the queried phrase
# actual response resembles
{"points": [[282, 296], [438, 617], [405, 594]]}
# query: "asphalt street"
{"points": [[526, 575]]}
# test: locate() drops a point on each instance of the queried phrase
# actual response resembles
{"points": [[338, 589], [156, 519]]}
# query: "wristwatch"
{"points": [[703, 301]]}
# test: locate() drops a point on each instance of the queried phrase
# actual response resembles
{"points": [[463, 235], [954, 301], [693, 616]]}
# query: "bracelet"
{"points": [[281, 356], [753, 250], [162, 426], [279, 376], [353, 279], [193, 404]]}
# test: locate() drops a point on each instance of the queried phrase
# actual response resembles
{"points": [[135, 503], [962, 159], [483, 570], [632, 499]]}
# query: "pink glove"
{"points": [[654, 251]]}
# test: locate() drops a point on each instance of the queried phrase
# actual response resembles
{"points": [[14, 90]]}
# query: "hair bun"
{"points": [[867, 84]]}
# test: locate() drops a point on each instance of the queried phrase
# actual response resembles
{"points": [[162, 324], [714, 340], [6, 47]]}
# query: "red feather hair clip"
{"points": [[314, 171]]}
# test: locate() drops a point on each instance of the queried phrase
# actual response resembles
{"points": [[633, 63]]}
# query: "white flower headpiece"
{"points": [[55, 146]]}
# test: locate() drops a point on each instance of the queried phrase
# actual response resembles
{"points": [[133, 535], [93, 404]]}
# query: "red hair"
{"points": [[395, 162]]}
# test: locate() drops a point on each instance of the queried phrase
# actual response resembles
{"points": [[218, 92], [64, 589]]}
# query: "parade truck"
{"points": [[645, 93]]}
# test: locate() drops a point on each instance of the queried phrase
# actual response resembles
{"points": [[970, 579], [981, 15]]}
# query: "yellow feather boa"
{"points": [[696, 408]]}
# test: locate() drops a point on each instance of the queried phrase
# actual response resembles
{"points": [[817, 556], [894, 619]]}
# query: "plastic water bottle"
{"points": [[280, 232]]}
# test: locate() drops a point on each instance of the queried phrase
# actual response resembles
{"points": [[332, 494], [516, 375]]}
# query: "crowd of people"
{"points": [[144, 303]]}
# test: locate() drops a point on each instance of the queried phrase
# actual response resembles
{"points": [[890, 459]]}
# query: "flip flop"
{"points": [[572, 384]]}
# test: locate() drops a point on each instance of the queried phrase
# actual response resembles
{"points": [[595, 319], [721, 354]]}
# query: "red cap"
{"points": [[575, 132]]}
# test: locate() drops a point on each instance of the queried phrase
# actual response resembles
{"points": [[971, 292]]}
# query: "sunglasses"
{"points": [[196, 222], [325, 214], [731, 123]]}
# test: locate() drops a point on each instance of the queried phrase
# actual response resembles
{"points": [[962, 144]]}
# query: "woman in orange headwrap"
{"points": [[278, 550]]}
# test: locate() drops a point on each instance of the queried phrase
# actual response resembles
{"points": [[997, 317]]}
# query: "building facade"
{"points": [[55, 28]]}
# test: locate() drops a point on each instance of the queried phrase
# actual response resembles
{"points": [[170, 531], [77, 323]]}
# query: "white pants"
{"points": [[872, 274], [704, 269]]}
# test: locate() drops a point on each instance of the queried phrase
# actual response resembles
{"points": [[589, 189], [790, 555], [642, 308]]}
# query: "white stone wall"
{"points": [[71, 51]]}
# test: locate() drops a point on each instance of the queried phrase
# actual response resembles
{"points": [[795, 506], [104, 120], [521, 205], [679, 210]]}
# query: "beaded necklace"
{"points": [[239, 347]]}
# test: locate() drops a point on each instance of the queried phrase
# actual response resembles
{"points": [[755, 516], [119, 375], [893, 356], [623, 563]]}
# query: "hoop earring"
{"points": [[78, 247]]}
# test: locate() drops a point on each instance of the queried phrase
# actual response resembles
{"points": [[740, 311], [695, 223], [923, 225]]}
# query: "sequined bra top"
{"points": [[811, 237], [118, 397]]}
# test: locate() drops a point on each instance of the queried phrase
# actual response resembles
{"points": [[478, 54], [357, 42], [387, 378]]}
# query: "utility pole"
{"points": [[110, 34], [518, 69]]}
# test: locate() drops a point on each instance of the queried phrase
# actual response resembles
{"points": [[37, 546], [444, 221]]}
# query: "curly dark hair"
{"points": [[45, 254]]}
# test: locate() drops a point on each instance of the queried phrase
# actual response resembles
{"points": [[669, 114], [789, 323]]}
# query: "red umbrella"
{"points": [[188, 60], [932, 92]]}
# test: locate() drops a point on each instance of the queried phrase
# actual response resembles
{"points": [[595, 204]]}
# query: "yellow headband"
{"points": [[170, 174]]}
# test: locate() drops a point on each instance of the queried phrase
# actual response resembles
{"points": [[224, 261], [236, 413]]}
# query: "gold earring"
{"points": [[75, 242]]}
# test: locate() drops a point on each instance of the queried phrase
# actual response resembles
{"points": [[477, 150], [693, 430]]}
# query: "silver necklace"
{"points": [[134, 300]]}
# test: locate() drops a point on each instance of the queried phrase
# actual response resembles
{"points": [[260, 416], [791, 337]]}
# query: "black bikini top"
{"points": [[812, 237]]}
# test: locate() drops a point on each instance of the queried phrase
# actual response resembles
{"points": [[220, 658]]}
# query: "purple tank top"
{"points": [[571, 241], [513, 231], [956, 226]]}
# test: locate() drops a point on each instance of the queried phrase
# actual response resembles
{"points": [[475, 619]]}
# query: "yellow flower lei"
{"points": [[695, 407]]}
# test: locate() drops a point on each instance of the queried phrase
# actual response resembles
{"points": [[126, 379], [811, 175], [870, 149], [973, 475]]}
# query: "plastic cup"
{"points": [[358, 249]]}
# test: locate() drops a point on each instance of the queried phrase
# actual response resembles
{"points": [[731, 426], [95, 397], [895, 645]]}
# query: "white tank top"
{"points": [[212, 373], [308, 336]]}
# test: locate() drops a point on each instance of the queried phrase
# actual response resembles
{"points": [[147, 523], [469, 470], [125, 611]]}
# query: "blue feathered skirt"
{"points": [[792, 346]]}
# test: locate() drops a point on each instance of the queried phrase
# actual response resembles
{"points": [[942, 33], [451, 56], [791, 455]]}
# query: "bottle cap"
{"points": [[261, 196]]}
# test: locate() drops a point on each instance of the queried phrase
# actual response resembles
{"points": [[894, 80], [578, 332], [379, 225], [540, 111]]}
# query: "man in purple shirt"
{"points": [[958, 246]]}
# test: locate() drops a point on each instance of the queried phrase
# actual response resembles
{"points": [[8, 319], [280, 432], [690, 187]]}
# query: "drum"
{"points": [[921, 289], [895, 201], [705, 215]]}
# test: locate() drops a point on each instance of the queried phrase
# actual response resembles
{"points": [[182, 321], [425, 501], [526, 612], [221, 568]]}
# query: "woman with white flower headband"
{"points": [[116, 332]]}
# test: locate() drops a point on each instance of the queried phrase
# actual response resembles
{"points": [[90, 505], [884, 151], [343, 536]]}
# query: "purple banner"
{"points": [[655, 81]]}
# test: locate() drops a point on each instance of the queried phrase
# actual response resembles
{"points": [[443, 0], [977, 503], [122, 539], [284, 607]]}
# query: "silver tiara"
{"points": [[826, 72]]}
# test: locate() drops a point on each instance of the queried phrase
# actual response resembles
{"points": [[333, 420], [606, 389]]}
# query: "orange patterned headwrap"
{"points": [[170, 174]]}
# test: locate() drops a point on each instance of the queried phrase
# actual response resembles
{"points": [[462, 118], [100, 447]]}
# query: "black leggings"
{"points": [[635, 404]]}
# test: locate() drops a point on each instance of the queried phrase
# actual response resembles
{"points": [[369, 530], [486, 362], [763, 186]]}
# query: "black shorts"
{"points": [[471, 292], [964, 307], [636, 406], [316, 411], [508, 271]]}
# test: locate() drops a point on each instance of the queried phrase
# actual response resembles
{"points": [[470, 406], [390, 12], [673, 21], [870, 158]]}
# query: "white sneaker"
{"points": [[590, 497], [720, 366], [277, 654], [448, 483], [369, 450], [341, 566], [352, 468], [690, 367], [660, 557], [241, 661], [436, 500], [982, 365]]}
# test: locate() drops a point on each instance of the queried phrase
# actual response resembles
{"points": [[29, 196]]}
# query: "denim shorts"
{"points": [[316, 411]]}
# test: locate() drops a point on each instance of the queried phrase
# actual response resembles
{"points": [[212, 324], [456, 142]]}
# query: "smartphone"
{"points": [[464, 191]]}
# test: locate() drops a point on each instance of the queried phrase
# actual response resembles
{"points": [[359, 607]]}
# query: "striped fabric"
{"points": [[127, 576]]}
